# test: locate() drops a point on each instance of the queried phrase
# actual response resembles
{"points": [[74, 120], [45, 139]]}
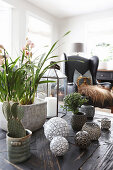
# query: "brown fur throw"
{"points": [[97, 94]]}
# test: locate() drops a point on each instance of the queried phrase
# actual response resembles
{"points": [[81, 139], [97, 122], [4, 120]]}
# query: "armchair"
{"points": [[76, 66]]}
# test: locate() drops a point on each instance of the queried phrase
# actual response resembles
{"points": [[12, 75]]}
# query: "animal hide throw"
{"points": [[97, 94]]}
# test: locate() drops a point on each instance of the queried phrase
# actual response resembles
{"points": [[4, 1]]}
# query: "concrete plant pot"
{"points": [[78, 120], [34, 115], [18, 148], [89, 110]]}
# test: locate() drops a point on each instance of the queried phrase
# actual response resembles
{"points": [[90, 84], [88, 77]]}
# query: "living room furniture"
{"points": [[76, 68], [105, 75], [77, 64], [98, 156]]}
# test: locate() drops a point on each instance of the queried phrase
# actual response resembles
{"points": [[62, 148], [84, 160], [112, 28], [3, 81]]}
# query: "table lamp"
{"points": [[78, 48]]}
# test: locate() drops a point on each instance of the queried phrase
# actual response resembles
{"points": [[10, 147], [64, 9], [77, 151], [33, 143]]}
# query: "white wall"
{"points": [[19, 12], [78, 27]]}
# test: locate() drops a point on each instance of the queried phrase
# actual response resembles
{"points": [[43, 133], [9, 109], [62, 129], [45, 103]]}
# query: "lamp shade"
{"points": [[78, 47]]}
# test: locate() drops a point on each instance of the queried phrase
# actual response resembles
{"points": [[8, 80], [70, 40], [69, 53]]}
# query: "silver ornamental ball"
{"points": [[56, 127], [93, 130], [105, 123], [82, 139], [59, 146]]}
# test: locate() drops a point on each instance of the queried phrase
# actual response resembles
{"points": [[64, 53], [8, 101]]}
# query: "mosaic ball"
{"points": [[56, 127], [59, 146], [82, 139], [105, 123], [93, 130]]}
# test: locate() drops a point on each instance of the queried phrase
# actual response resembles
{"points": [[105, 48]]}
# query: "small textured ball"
{"points": [[56, 127], [93, 130], [59, 146], [82, 139], [105, 123]]}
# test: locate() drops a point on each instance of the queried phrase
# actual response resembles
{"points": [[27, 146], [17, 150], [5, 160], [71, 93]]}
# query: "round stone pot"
{"points": [[89, 110], [93, 130], [78, 120], [105, 123], [34, 115], [82, 139], [18, 148]]}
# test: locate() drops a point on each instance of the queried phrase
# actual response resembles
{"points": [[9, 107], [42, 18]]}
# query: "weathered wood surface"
{"points": [[98, 156]]}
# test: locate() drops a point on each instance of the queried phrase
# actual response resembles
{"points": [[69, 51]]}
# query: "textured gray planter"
{"points": [[93, 130], [18, 148], [34, 115], [89, 110], [78, 120], [105, 123]]}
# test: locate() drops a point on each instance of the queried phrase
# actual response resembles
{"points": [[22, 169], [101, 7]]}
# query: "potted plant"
{"points": [[18, 138], [73, 102], [20, 84], [11, 82]]}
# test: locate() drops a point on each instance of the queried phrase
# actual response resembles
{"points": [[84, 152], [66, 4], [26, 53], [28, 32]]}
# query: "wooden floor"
{"points": [[98, 156]]}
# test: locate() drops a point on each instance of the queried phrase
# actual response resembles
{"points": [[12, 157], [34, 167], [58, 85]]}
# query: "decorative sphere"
{"points": [[56, 127], [82, 139], [105, 123], [93, 130], [59, 145]]}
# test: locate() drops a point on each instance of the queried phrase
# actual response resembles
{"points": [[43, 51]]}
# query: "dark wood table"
{"points": [[98, 156], [105, 76]]}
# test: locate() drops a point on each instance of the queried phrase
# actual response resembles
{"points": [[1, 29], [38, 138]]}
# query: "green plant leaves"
{"points": [[16, 129], [66, 33], [73, 101], [6, 110], [14, 110], [20, 84], [20, 112]]}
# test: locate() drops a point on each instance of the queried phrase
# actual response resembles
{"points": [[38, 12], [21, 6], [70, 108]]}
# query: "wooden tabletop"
{"points": [[98, 156]]}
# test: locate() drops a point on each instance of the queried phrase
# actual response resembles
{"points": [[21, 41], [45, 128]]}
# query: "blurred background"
{"points": [[45, 21]]}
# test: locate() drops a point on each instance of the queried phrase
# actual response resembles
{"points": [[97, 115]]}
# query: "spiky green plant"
{"points": [[35, 77], [73, 101], [20, 84], [12, 80], [13, 114]]}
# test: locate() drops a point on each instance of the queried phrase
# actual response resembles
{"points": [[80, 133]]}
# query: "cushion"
{"points": [[81, 81], [77, 74], [99, 96]]}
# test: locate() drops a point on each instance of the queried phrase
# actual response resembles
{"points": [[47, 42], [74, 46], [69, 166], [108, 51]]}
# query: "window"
{"points": [[5, 26], [39, 33], [100, 39]]}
